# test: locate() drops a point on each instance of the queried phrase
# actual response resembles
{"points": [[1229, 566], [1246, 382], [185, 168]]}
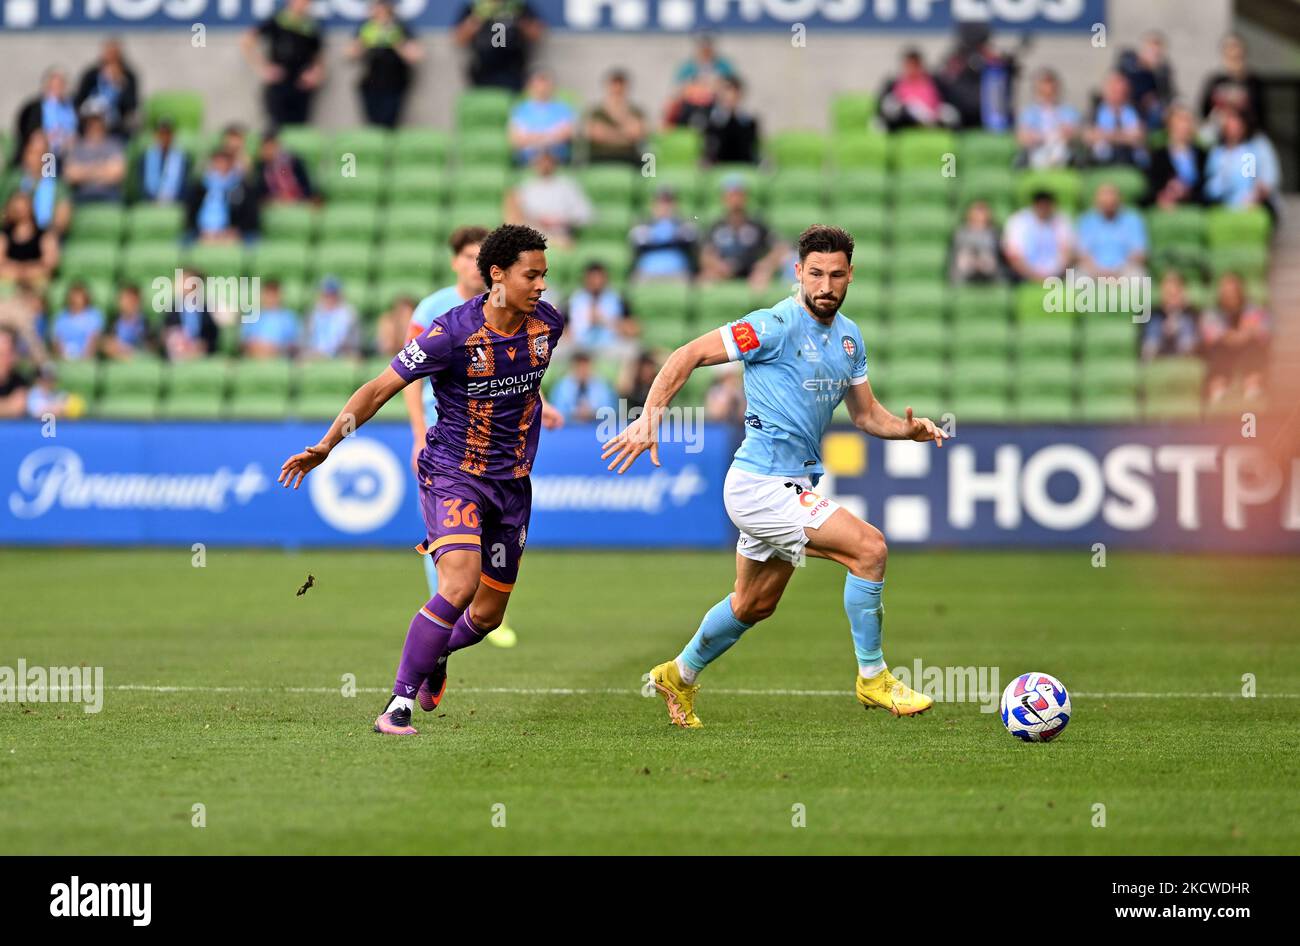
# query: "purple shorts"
{"points": [[462, 511]]}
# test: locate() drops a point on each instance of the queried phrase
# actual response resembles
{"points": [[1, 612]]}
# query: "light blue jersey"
{"points": [[796, 373], [430, 307]]}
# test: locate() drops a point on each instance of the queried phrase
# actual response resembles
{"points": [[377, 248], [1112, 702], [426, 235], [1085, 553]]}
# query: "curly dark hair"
{"points": [[504, 245], [819, 238]]}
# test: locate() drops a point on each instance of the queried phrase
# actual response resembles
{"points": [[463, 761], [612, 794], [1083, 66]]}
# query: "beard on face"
{"points": [[823, 305]]}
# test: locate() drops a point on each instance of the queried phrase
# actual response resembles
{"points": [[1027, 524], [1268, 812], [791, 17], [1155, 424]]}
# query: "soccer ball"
{"points": [[1035, 707]]}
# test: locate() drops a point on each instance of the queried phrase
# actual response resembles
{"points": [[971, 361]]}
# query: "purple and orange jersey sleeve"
{"points": [[424, 355]]}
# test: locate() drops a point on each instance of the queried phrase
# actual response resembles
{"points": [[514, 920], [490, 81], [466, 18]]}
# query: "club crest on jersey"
{"points": [[541, 348], [745, 337], [850, 346]]}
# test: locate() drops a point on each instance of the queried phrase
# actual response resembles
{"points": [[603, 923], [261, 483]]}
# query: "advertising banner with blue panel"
{"points": [[164, 483], [673, 16], [1179, 487]]}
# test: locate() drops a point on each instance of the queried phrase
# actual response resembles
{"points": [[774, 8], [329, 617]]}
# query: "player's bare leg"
{"points": [[860, 547], [758, 589]]}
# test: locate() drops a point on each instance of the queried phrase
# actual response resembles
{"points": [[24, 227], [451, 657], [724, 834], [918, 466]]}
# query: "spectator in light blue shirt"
{"points": [[274, 333], [1047, 129], [78, 327], [1116, 135], [664, 247], [1242, 169], [540, 123], [332, 325], [1112, 239], [580, 395]]}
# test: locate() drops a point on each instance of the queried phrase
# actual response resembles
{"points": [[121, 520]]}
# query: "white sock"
{"points": [[687, 674], [400, 702], [867, 671]]}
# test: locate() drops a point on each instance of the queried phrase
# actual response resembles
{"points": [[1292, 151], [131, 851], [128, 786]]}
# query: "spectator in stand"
{"points": [[53, 112], [281, 176], [291, 66], [164, 167], [500, 36], [638, 377], [234, 141], [977, 79], [388, 50], [724, 402], [28, 252], [1228, 169], [1112, 238], [615, 128], [1172, 329], [221, 207], [36, 177], [1116, 134], [598, 316], [131, 333], [1150, 78], [1235, 337], [697, 83], [78, 327], [332, 329], [393, 327], [1177, 172], [274, 333], [581, 395], [1038, 241], [1048, 129], [45, 399], [740, 245], [974, 256], [730, 132], [109, 86], [23, 315], [541, 123], [1233, 88], [96, 164], [665, 246], [14, 382], [549, 201], [912, 98], [190, 331]]}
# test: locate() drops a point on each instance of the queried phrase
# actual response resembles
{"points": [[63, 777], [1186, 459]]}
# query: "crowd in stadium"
{"points": [[1091, 190]]}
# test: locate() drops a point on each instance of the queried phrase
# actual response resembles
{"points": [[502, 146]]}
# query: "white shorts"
{"points": [[772, 513]]}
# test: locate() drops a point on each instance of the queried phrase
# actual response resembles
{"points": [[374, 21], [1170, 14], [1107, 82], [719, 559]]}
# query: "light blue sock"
{"points": [[866, 614], [718, 631], [431, 572]]}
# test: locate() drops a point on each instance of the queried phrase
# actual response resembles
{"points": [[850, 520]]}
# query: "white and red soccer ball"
{"points": [[1035, 707]]}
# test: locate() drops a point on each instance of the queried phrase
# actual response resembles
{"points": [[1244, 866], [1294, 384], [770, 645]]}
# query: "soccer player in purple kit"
{"points": [[485, 359]]}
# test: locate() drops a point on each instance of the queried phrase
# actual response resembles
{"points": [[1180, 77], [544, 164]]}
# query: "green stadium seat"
{"points": [[348, 221], [986, 149], [483, 108], [609, 184], [99, 222], [411, 186], [308, 143], [283, 259], [1046, 408], [130, 388], [868, 224], [1173, 406], [89, 260], [915, 189], [155, 222], [1109, 335], [612, 222], [983, 407], [1244, 259], [676, 147], [488, 183], [1031, 303], [987, 338], [1045, 339], [420, 148], [215, 259], [1114, 376], [798, 186], [977, 303], [1065, 184], [183, 108], [790, 220], [916, 337], [324, 387], [388, 290], [413, 222], [720, 302], [615, 254], [852, 111], [923, 150], [1225, 227], [860, 188], [259, 388], [144, 261], [859, 150], [972, 372], [996, 186], [363, 187], [799, 149], [289, 221], [80, 377], [1046, 375], [685, 182], [661, 301], [1173, 376], [196, 389], [914, 262], [1108, 407], [368, 148], [667, 334], [756, 183], [919, 301], [923, 224], [1131, 182], [466, 213], [482, 148], [350, 260], [398, 258]]}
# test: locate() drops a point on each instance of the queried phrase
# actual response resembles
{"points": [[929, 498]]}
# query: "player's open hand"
{"points": [[300, 464], [922, 429], [635, 439]]}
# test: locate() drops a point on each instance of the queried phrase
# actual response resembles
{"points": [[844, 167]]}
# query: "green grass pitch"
{"points": [[283, 762]]}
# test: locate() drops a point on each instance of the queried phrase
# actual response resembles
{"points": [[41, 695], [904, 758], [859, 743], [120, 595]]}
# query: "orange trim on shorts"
{"points": [[467, 539], [496, 585]]}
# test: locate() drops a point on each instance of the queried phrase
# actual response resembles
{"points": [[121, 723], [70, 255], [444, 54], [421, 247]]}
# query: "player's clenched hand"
{"points": [[631, 442], [923, 429], [300, 464]]}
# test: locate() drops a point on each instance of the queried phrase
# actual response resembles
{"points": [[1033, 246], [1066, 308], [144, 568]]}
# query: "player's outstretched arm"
{"points": [[870, 416], [643, 433], [364, 403]]}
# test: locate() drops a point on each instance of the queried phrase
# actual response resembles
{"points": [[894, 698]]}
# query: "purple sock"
{"points": [[464, 634], [426, 641]]}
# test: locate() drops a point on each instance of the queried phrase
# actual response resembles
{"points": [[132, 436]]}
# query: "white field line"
{"points": [[624, 691]]}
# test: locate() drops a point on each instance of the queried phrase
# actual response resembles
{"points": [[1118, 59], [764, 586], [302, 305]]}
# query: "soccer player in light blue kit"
{"points": [[802, 357], [421, 406]]}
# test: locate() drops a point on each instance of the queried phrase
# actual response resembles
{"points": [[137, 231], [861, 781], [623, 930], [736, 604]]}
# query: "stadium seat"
{"points": [[144, 261], [130, 388], [98, 222], [359, 187], [916, 189], [1108, 407], [1226, 227], [398, 258], [1109, 335], [913, 262], [1048, 376], [306, 142], [80, 377], [721, 302], [986, 150], [350, 260], [90, 260], [923, 150], [1031, 303], [259, 388], [215, 259], [868, 224], [369, 147], [854, 188], [987, 338], [420, 148], [852, 111], [197, 389], [756, 183], [609, 184], [915, 338], [799, 149], [976, 303], [1131, 182], [482, 148], [661, 301], [413, 222], [1046, 408], [984, 407], [918, 301], [676, 147], [612, 222], [799, 186], [155, 222], [348, 221], [483, 108], [183, 108], [666, 334], [789, 220], [324, 387], [387, 291], [1246, 260], [487, 183], [283, 259], [1045, 339], [686, 183], [922, 224], [466, 213], [1173, 377], [860, 149], [615, 254], [289, 221], [408, 185], [1064, 183], [995, 185]]}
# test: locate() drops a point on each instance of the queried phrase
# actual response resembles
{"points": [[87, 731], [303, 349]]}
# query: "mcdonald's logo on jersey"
{"points": [[745, 337]]}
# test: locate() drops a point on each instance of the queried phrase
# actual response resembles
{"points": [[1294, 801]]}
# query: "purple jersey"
{"points": [[488, 388]]}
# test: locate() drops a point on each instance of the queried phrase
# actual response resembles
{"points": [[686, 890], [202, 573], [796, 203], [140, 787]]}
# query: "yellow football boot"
{"points": [[679, 697], [886, 692]]}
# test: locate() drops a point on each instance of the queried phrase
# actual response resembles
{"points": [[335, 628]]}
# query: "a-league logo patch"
{"points": [[477, 359], [541, 347], [850, 346], [745, 337]]}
